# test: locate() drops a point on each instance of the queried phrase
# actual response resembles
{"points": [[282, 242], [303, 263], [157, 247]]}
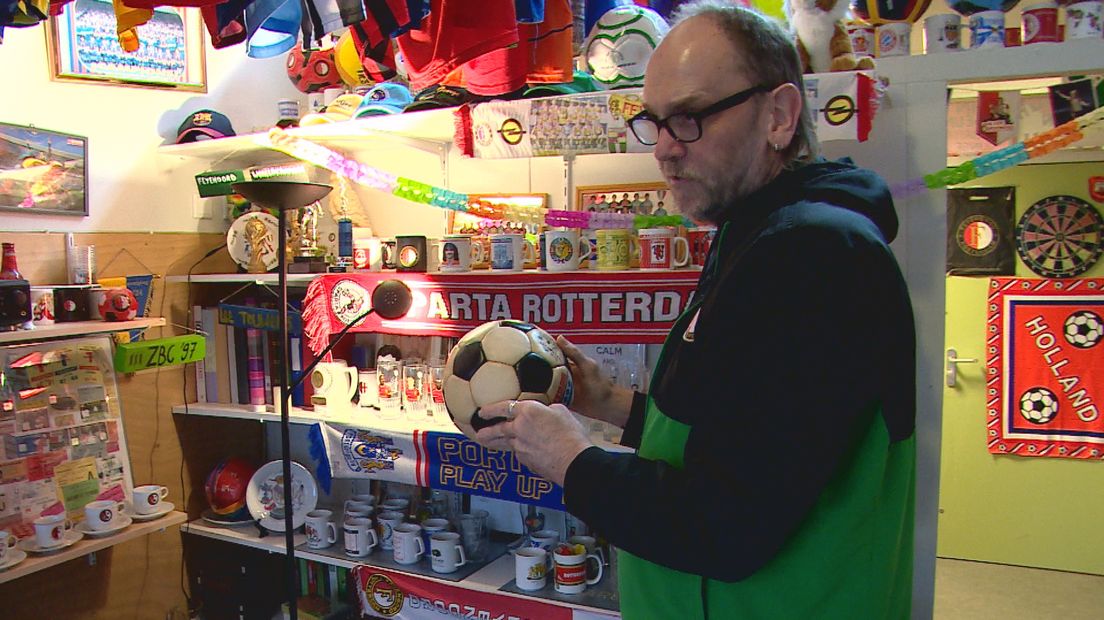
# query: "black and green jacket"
{"points": [[775, 471]]}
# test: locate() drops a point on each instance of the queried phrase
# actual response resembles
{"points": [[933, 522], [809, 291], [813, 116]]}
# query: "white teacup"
{"points": [[50, 530], [7, 541], [102, 514], [147, 498]]}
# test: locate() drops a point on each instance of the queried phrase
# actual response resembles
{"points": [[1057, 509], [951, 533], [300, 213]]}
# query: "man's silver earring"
{"points": [[777, 147]]}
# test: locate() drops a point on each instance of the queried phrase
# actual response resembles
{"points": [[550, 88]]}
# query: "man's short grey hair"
{"points": [[769, 57]]}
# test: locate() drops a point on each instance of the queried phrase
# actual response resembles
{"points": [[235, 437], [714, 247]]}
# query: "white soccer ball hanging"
{"points": [[620, 43], [1038, 405], [503, 360]]}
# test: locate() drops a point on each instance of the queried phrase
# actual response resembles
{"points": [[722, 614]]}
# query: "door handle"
{"points": [[953, 360]]}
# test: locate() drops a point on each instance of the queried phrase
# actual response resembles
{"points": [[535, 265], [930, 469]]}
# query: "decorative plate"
{"points": [[1060, 237], [265, 495], [237, 239]]}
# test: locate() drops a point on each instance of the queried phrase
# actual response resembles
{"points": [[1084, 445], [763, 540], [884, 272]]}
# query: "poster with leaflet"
{"points": [[62, 443]]}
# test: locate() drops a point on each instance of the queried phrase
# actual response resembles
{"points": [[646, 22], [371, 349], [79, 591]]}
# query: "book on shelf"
{"points": [[201, 365]]}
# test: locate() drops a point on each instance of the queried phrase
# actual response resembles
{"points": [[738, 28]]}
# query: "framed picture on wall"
{"points": [[638, 198], [43, 171], [83, 45]]}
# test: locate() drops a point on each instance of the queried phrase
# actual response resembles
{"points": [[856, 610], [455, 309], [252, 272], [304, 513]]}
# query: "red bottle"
{"points": [[10, 270]]}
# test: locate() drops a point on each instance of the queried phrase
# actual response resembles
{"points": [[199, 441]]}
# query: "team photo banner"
{"points": [[589, 308], [1045, 367]]}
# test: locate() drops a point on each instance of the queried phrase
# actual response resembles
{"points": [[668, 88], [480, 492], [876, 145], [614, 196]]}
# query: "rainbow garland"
{"points": [[1035, 146], [423, 193]]}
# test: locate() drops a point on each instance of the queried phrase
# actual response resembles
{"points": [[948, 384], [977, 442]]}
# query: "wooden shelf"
{"points": [[361, 418], [78, 328], [490, 578], [86, 545], [991, 65], [242, 278]]}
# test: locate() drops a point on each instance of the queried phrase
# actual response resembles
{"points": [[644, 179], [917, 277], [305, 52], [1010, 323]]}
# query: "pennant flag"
{"points": [[998, 115], [843, 104]]}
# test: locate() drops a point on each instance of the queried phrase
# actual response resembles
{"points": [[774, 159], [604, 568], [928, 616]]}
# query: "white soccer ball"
{"points": [[620, 43], [503, 360], [1083, 329], [1038, 405]]}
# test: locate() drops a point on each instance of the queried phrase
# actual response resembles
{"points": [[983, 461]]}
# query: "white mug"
{"points": [[388, 521], [446, 552], [893, 39], [50, 530], [367, 254], [147, 498], [987, 30], [407, 542], [458, 253], [942, 33], [1084, 20], [395, 504], [530, 568], [360, 537], [321, 530], [431, 527], [101, 515], [659, 249], [363, 509], [571, 572], [363, 498], [545, 539], [7, 541], [564, 250], [368, 389], [509, 251], [591, 545]]}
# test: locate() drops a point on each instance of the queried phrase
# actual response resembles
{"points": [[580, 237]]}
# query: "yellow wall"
{"points": [[1042, 512]]}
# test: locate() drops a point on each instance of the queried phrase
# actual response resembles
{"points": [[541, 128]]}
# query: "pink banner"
{"points": [[630, 307], [388, 594], [1045, 367]]}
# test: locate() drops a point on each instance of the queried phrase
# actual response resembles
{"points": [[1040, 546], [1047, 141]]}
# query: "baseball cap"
{"points": [[384, 98], [582, 82], [340, 109], [204, 125]]}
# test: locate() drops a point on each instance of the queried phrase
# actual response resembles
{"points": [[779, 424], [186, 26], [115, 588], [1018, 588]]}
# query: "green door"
{"points": [[1026, 511]]}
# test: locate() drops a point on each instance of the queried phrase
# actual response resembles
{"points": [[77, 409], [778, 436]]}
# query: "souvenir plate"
{"points": [[265, 495], [237, 239]]}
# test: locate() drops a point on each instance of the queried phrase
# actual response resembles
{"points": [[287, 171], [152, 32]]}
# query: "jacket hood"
{"points": [[840, 183]]}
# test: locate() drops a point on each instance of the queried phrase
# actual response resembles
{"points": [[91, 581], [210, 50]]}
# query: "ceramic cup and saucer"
{"points": [[68, 539], [161, 510], [12, 557], [120, 523]]}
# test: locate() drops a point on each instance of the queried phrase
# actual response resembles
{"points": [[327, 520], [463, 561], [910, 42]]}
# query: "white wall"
{"points": [[129, 185]]}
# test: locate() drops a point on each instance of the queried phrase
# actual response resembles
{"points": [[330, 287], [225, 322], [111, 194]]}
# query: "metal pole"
{"points": [[285, 426]]}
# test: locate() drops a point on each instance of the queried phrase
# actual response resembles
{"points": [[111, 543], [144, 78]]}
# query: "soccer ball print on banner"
{"points": [[1045, 367]]}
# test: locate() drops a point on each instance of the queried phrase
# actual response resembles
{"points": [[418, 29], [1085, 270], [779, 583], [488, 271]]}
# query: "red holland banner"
{"points": [[389, 594], [1045, 367], [588, 307]]}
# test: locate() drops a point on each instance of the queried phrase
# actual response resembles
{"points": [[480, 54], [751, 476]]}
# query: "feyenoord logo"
{"points": [[383, 595], [977, 235]]}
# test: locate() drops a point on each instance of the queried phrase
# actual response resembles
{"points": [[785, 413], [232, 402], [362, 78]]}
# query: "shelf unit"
{"points": [[489, 579], [77, 328], [87, 545]]}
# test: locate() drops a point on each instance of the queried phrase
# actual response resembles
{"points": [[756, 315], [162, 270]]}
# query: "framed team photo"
{"points": [[636, 198], [83, 45]]}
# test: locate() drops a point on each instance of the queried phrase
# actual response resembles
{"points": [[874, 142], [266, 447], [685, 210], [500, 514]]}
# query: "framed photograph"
{"points": [[43, 171], [82, 45], [638, 198]]}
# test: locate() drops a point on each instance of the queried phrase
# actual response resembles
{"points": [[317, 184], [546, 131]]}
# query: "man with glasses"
{"points": [[773, 476]]}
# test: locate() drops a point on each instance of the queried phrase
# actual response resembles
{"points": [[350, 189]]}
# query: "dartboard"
{"points": [[1060, 237]]}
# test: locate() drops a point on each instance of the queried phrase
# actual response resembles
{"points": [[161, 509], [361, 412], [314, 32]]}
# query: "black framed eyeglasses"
{"points": [[687, 126]]}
